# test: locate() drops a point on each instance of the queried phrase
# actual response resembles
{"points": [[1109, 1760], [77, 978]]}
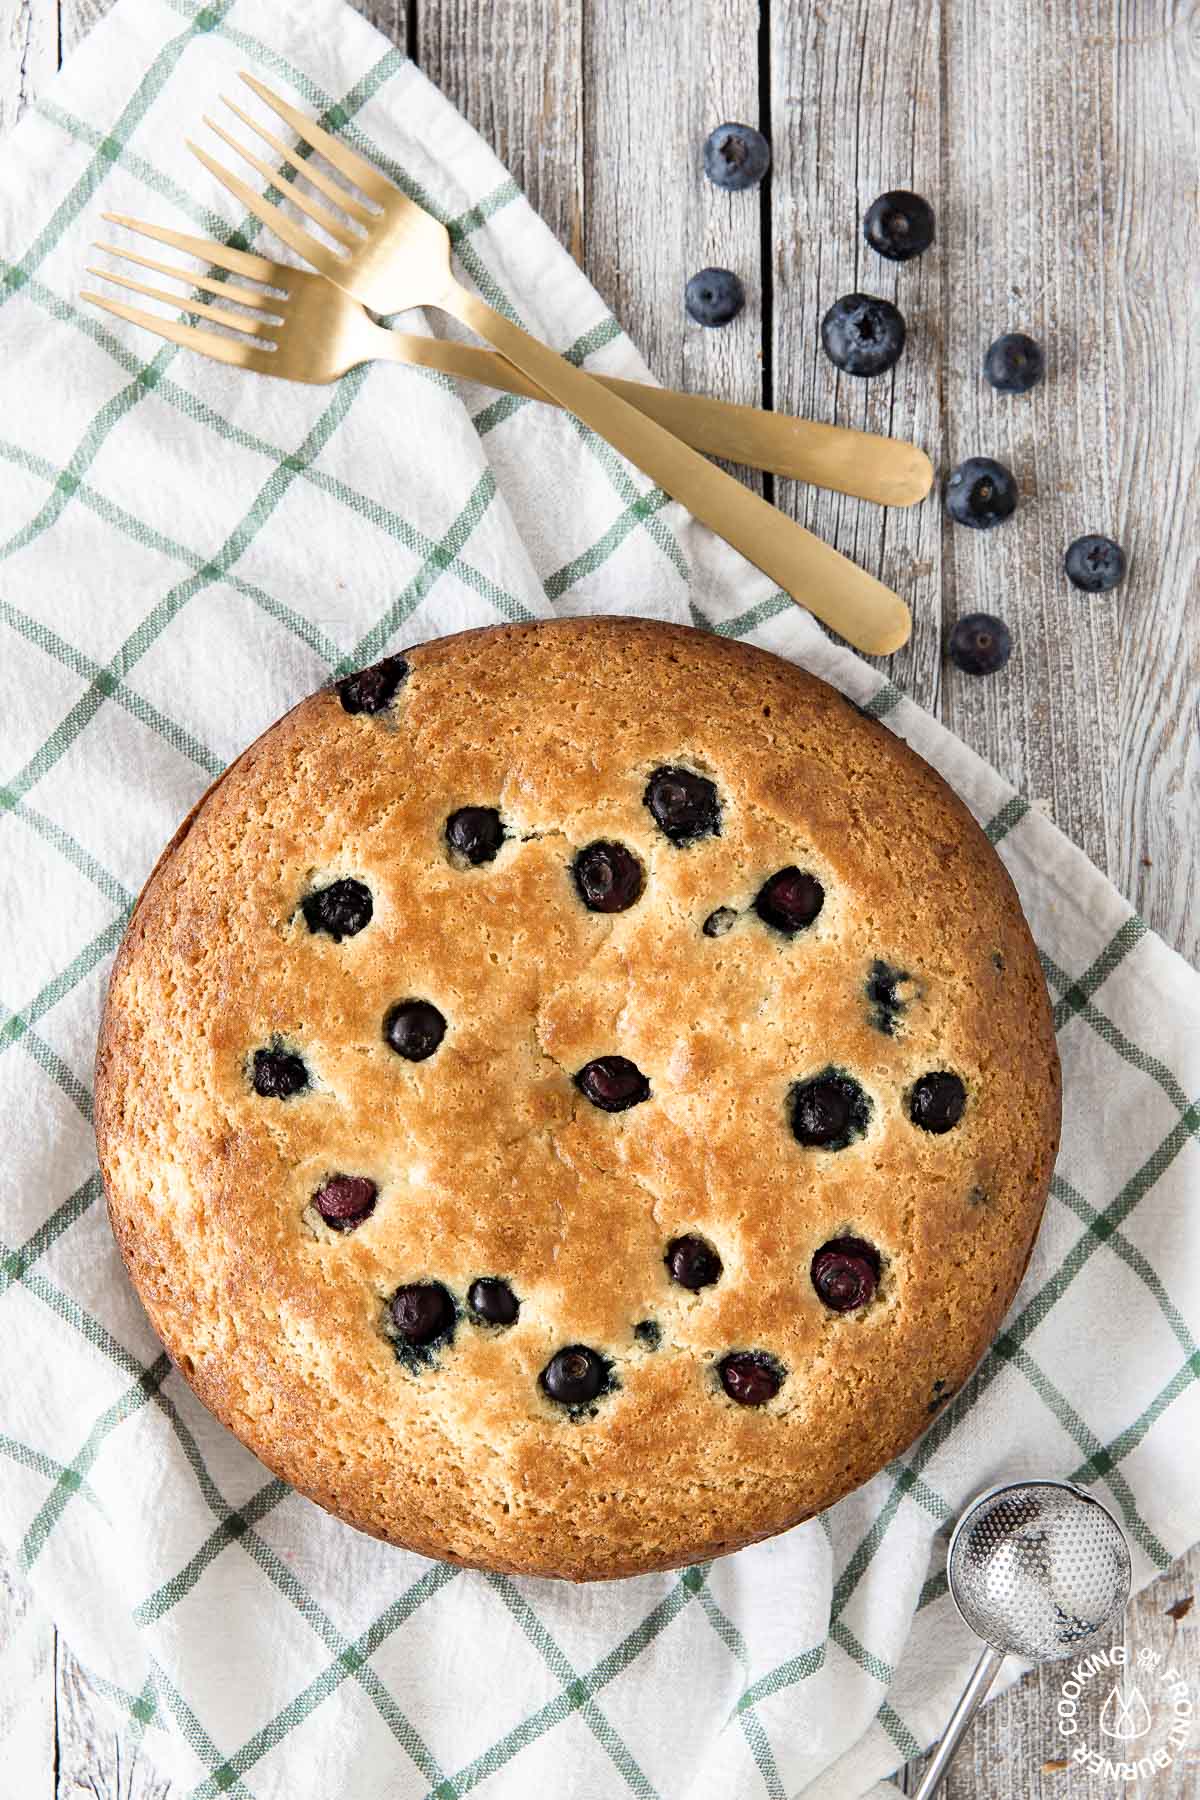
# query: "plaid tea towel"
{"points": [[183, 553]]}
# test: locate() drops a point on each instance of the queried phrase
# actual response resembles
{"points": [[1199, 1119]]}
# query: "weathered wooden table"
{"points": [[1057, 140]]}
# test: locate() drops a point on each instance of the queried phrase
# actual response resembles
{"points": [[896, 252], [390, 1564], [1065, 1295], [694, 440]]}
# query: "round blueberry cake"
{"points": [[576, 1098]]}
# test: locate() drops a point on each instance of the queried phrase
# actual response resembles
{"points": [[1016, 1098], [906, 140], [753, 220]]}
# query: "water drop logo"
{"points": [[1140, 1742], [1125, 1716]]}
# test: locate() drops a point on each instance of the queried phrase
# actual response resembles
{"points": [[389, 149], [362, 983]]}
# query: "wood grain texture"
{"points": [[655, 84], [857, 109], [28, 1737], [1058, 142], [515, 71], [97, 1759], [28, 55], [1014, 1748]]}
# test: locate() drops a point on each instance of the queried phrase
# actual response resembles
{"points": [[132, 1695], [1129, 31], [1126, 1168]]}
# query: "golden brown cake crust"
{"points": [[488, 1159]]}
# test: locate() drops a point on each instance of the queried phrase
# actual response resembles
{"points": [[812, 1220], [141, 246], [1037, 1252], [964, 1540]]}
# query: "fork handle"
{"points": [[866, 613], [870, 467]]}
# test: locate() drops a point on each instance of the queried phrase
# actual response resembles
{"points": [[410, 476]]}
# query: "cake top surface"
{"points": [[577, 1097]]}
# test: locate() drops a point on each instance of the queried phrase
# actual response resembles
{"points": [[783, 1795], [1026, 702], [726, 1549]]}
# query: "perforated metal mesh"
{"points": [[1039, 1569]]}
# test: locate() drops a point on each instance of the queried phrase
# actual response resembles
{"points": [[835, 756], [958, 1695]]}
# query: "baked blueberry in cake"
{"points": [[576, 1098]]}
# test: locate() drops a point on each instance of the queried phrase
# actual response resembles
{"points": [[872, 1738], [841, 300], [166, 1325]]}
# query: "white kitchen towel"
{"points": [[184, 552]]}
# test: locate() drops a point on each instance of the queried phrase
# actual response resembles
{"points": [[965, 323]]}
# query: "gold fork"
{"points": [[313, 331], [392, 255]]}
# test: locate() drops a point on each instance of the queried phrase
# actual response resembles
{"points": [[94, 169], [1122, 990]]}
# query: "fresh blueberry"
{"points": [[899, 225], [278, 1074], [751, 1377], [845, 1273], [648, 1332], [719, 922], [422, 1312], [981, 493], [1094, 564], [612, 1083], [493, 1301], [608, 877], [370, 690], [736, 156], [576, 1375], [1014, 363], [862, 335], [346, 1200], [714, 296], [692, 1263], [979, 644], [789, 900], [683, 804], [414, 1029], [828, 1111], [937, 1101], [340, 910], [475, 833]]}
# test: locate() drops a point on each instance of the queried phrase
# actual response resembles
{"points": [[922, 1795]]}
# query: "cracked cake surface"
{"points": [[578, 1097]]}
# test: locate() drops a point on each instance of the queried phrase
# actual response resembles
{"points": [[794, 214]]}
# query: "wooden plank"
{"points": [[77, 18], [1148, 330], [27, 1734], [656, 84], [28, 55], [514, 69], [1094, 252], [98, 1758], [856, 109], [1014, 1749]]}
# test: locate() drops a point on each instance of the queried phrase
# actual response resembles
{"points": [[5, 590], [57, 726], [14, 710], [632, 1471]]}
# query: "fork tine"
{"points": [[361, 172], [302, 242], [320, 215], [218, 315], [225, 290], [190, 337], [238, 262], [339, 195]]}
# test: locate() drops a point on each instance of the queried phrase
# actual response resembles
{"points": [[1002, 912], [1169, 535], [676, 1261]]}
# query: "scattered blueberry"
{"points": [[887, 1007], [370, 690], [475, 833], [422, 1312], [828, 1111], [719, 922], [862, 335], [278, 1074], [736, 156], [1014, 363], [346, 1200], [612, 1083], [789, 900], [1094, 564], [414, 1029], [692, 1263], [493, 1301], [648, 1332], [685, 805], [575, 1375], [899, 225], [608, 877], [714, 296], [937, 1101], [750, 1377], [845, 1273], [981, 493], [979, 644], [341, 910]]}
